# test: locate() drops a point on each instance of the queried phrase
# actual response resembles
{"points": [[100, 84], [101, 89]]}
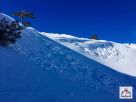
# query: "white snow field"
{"points": [[120, 57], [39, 69]]}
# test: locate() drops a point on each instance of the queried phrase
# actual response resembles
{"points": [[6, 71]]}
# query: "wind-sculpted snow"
{"points": [[114, 55], [38, 69], [50, 55]]}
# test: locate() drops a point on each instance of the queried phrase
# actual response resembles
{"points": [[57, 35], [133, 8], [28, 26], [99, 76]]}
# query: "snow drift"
{"points": [[37, 68], [120, 57]]}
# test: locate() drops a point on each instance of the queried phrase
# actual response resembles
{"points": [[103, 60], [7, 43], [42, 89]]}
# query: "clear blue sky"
{"points": [[110, 19]]}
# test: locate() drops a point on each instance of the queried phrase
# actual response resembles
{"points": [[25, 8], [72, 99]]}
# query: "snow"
{"points": [[61, 36], [38, 69], [131, 45], [2, 15], [120, 57]]}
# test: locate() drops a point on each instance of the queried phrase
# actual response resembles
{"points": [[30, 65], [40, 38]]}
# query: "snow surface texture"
{"points": [[120, 57], [38, 69]]}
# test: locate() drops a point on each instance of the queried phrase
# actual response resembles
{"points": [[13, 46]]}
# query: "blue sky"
{"points": [[110, 19]]}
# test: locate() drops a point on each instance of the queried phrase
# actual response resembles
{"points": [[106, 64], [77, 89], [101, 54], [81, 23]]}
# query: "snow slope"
{"points": [[120, 57], [38, 69]]}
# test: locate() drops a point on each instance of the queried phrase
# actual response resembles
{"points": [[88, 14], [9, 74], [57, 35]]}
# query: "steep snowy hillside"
{"points": [[120, 57], [38, 69]]}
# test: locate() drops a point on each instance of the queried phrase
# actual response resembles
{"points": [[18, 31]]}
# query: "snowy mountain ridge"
{"points": [[120, 57], [38, 69], [117, 56]]}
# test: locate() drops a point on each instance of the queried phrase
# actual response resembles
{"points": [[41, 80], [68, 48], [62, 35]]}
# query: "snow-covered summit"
{"points": [[120, 57]]}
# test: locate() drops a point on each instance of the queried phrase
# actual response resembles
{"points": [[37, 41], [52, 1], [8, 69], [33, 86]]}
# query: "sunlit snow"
{"points": [[120, 57]]}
